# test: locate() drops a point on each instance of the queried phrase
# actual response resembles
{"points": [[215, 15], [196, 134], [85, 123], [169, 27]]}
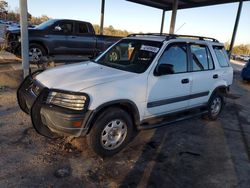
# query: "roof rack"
{"points": [[173, 36]]}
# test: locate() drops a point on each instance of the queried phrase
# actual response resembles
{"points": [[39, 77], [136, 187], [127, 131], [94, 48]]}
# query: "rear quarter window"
{"points": [[221, 56]]}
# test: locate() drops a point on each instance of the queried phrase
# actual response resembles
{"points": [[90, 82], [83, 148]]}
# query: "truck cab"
{"points": [[60, 37]]}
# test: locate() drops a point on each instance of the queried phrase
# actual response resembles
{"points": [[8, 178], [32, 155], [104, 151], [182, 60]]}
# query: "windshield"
{"points": [[46, 24], [131, 55]]}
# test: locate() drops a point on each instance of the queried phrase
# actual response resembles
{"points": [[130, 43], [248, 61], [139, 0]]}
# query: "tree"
{"points": [[3, 6], [239, 49], [38, 20], [96, 28], [3, 9], [111, 31]]}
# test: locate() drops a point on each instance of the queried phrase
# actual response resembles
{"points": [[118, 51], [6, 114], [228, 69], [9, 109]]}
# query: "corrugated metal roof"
{"points": [[167, 4]]}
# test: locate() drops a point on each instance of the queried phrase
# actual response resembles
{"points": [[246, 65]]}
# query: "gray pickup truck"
{"points": [[57, 36]]}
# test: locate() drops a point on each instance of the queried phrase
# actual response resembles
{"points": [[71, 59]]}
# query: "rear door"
{"points": [[204, 74], [225, 69], [169, 93], [84, 41]]}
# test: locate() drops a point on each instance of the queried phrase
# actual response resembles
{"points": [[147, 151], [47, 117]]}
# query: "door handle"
{"points": [[73, 37], [185, 81], [215, 76]]}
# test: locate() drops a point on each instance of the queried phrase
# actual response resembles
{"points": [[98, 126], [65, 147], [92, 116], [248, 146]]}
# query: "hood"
{"points": [[14, 30], [79, 76]]}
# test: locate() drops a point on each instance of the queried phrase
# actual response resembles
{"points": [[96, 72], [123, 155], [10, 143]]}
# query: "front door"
{"points": [[169, 93], [60, 37]]}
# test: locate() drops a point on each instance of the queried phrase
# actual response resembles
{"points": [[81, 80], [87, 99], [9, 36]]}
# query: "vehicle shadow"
{"points": [[195, 153], [163, 159]]}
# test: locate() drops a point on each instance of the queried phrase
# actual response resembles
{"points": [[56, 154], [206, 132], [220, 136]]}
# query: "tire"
{"points": [[18, 52], [114, 56], [36, 53], [111, 132], [214, 107]]}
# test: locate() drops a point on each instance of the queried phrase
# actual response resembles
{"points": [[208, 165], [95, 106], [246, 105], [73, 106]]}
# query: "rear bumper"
{"points": [[50, 120]]}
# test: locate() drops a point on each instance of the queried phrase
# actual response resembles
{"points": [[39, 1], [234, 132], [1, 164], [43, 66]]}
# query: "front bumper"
{"points": [[49, 120], [12, 47]]}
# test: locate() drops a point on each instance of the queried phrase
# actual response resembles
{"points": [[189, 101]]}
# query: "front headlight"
{"points": [[19, 38], [70, 101]]}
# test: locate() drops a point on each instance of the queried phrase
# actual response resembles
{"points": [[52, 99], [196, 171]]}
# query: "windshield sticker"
{"points": [[150, 48]]}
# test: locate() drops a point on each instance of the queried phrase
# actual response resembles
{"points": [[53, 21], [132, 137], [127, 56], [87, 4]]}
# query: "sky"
{"points": [[212, 21]]}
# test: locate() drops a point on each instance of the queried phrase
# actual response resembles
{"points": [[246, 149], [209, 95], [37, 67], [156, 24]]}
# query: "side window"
{"points": [[64, 27], [176, 56], [82, 28], [201, 58], [221, 56]]}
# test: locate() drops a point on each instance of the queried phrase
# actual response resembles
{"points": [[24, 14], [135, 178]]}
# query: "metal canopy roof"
{"points": [[182, 4]]}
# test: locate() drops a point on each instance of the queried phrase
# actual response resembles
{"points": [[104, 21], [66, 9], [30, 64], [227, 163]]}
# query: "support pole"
{"points": [[235, 27], [102, 17], [162, 21], [173, 17], [24, 36]]}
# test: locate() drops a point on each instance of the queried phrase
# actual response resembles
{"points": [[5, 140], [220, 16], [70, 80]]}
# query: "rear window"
{"points": [[221, 55], [82, 28]]}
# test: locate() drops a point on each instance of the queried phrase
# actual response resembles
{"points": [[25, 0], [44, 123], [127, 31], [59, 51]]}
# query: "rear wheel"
{"points": [[215, 105], [111, 132], [114, 56]]}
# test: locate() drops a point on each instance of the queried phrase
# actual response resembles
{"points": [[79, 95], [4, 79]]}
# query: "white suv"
{"points": [[140, 82]]}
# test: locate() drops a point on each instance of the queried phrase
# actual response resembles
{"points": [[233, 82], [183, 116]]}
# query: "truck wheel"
{"points": [[36, 52], [215, 105], [111, 132], [114, 56]]}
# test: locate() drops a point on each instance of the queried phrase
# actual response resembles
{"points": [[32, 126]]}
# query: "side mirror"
{"points": [[58, 28], [164, 69]]}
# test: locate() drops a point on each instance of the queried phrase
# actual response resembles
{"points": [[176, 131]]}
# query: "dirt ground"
{"points": [[193, 153]]}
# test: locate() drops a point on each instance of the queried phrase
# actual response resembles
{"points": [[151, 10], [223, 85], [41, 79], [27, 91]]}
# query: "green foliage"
{"points": [[111, 31]]}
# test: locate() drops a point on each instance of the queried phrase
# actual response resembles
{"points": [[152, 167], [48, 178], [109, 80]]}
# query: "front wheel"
{"points": [[111, 132], [36, 53]]}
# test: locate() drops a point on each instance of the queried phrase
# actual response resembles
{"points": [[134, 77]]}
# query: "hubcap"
{"points": [[113, 134], [35, 54], [216, 106], [113, 56]]}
